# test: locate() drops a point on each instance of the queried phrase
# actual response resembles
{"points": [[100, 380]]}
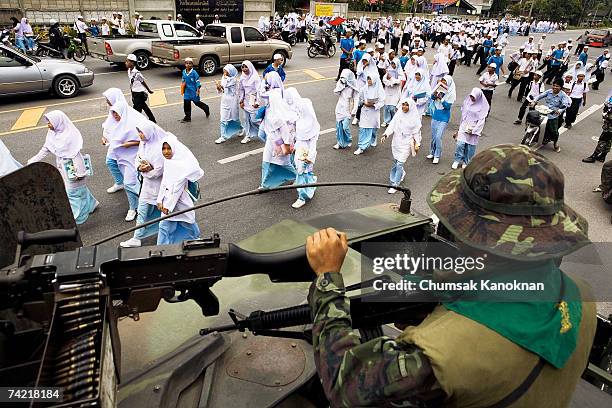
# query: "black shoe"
{"points": [[185, 119], [568, 126], [518, 122], [589, 159]]}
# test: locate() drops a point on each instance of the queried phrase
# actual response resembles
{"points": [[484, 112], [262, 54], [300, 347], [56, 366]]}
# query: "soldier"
{"points": [[529, 353]]}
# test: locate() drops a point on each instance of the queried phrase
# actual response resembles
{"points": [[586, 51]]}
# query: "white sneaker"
{"points": [[336, 146], [241, 133], [114, 188], [245, 140], [131, 215], [349, 145], [436, 160], [384, 124], [355, 121], [429, 156], [220, 140], [403, 176], [463, 166], [357, 152], [299, 203], [454, 165], [392, 191], [131, 243]]}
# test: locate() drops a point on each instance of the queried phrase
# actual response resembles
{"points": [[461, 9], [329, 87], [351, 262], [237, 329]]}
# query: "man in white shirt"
{"points": [[524, 68], [114, 24], [104, 27], [445, 48], [81, 28], [578, 94], [541, 46], [217, 20], [200, 25], [121, 24], [529, 45], [488, 83], [136, 22], [139, 87]]}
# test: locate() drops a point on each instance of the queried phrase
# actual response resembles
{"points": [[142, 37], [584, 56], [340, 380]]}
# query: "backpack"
{"points": [[193, 189]]}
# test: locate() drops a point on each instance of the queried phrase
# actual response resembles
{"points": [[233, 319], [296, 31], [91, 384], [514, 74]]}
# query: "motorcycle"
{"points": [[276, 35], [75, 50], [535, 118], [315, 48]]}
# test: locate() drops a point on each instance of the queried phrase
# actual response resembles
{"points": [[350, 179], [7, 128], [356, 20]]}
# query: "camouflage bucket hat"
{"points": [[509, 202]]}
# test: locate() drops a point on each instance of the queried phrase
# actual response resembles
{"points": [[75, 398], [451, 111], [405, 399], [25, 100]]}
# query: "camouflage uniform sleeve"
{"points": [[362, 374]]}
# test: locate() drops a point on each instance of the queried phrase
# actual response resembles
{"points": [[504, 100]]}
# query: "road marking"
{"points": [[259, 150], [28, 118], [156, 89], [579, 118], [10, 132], [313, 74], [158, 98]]}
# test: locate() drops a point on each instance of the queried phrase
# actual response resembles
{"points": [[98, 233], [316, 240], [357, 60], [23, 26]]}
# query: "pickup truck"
{"points": [[221, 44], [115, 48]]}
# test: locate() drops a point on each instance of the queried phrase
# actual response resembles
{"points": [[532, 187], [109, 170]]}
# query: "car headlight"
{"points": [[86, 70]]}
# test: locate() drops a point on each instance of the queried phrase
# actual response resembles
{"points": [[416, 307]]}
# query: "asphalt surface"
{"points": [[236, 220]]}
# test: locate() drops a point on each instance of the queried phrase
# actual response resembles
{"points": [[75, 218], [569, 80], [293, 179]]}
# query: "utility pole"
{"points": [[531, 8], [595, 15]]}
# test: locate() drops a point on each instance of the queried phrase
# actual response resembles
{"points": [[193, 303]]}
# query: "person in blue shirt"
{"points": [[94, 30], [555, 63], [405, 56], [190, 88], [484, 52], [276, 65], [443, 96], [498, 60], [347, 45], [557, 101], [584, 55], [359, 51]]}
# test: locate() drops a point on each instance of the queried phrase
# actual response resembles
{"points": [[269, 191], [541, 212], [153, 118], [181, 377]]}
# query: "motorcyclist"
{"points": [[56, 37], [320, 36]]}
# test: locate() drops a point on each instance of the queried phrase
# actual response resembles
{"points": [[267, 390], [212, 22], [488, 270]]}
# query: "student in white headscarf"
{"points": [[392, 79], [474, 112], [65, 142], [247, 99], [366, 67], [417, 87], [150, 165], [124, 141], [7, 163], [307, 130], [279, 125], [439, 69], [372, 99], [230, 113], [406, 131], [443, 96], [348, 93], [112, 96], [180, 168], [269, 84]]}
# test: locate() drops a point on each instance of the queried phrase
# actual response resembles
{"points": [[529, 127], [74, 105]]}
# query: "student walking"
{"points": [[190, 89], [139, 88], [474, 112], [443, 97], [347, 92], [229, 116]]}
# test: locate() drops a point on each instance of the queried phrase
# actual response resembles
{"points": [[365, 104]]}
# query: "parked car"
{"points": [[22, 74], [598, 38], [214, 50], [116, 48]]}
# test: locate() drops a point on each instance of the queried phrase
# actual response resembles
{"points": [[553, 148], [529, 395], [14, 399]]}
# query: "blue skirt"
{"points": [[146, 212], [308, 192], [229, 128], [273, 175], [175, 232], [82, 203]]}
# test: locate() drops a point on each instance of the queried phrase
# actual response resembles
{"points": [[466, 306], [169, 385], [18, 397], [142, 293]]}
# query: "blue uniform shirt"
{"points": [[403, 61], [280, 71], [192, 83], [499, 61], [347, 44], [583, 58], [558, 102], [557, 54], [358, 54]]}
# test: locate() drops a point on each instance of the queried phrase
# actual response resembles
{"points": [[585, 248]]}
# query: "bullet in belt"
{"points": [[72, 305], [76, 349], [83, 326], [81, 312]]}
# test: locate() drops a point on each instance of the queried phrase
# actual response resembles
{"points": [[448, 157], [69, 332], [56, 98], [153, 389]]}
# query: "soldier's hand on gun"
{"points": [[325, 250]]}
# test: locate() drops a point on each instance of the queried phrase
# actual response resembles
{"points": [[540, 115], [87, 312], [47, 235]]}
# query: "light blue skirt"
{"points": [[273, 175], [82, 203], [146, 212], [308, 192], [175, 232], [229, 129]]}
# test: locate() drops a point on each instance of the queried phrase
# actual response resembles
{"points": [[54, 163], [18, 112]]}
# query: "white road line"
{"points": [[260, 150], [580, 117]]}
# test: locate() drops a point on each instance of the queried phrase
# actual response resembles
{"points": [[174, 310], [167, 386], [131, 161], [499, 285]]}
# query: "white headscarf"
{"points": [[406, 122], [347, 78], [182, 166], [440, 66], [250, 81], [271, 81], [231, 80], [65, 141], [150, 149], [7, 163], [477, 109], [415, 87], [394, 72], [278, 112], [575, 70], [306, 126], [374, 91], [450, 94], [125, 129], [112, 95], [411, 66], [364, 72]]}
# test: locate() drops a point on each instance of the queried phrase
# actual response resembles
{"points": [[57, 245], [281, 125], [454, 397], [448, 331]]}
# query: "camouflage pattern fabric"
{"points": [[509, 201], [380, 372]]}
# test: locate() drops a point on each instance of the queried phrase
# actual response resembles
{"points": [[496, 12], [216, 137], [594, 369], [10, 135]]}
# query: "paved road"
{"points": [[314, 78]]}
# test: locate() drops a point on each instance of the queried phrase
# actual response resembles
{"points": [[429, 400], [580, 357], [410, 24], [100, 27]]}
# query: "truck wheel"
{"points": [[143, 60], [66, 86], [208, 66]]}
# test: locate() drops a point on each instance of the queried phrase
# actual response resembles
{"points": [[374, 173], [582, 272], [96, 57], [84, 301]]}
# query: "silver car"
{"points": [[22, 74]]}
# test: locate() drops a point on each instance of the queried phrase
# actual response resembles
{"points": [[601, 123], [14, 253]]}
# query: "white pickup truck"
{"points": [[115, 48]]}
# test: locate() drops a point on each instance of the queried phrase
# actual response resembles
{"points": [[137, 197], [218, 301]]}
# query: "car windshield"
{"points": [[598, 32]]}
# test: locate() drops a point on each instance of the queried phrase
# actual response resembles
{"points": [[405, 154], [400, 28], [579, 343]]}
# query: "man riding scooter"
{"points": [[56, 38]]}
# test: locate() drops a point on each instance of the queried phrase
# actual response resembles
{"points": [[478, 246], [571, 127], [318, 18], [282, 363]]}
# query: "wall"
{"points": [[253, 9], [150, 8]]}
